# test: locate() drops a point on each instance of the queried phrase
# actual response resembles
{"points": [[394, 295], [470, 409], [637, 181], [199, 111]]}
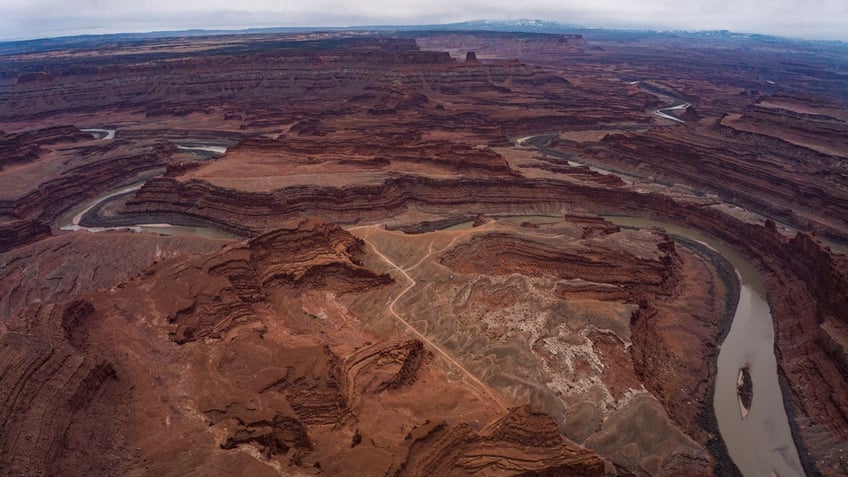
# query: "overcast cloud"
{"points": [[817, 19]]}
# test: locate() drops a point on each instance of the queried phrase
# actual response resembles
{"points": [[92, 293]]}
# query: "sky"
{"points": [[812, 19]]}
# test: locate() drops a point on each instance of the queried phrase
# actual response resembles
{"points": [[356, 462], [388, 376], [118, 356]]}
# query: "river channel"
{"points": [[70, 220], [760, 444]]}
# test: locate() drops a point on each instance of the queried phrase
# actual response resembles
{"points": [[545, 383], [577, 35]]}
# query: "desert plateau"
{"points": [[424, 253]]}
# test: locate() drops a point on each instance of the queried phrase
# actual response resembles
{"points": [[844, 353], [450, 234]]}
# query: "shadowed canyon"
{"points": [[424, 253]]}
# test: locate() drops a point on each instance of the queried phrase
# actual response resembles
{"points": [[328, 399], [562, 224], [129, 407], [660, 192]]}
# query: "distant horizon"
{"points": [[43, 19], [519, 22]]}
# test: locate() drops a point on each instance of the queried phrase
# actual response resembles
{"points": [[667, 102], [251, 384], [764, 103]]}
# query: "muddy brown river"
{"points": [[760, 444]]}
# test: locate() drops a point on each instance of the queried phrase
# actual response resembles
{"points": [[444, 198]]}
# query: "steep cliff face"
{"points": [[808, 302], [670, 362], [151, 80], [806, 287], [390, 151], [342, 74]]}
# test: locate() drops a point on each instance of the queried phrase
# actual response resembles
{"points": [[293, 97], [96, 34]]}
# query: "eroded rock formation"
{"points": [[236, 362], [310, 349]]}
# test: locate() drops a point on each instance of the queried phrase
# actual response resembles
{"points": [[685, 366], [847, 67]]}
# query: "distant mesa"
{"points": [[471, 57]]}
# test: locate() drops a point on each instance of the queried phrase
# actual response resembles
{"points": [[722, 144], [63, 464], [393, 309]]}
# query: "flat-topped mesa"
{"points": [[262, 85], [202, 203], [87, 83], [391, 50], [505, 45], [820, 132], [628, 263], [386, 151]]}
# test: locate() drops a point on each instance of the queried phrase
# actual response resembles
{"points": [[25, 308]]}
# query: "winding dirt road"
{"points": [[411, 328]]}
